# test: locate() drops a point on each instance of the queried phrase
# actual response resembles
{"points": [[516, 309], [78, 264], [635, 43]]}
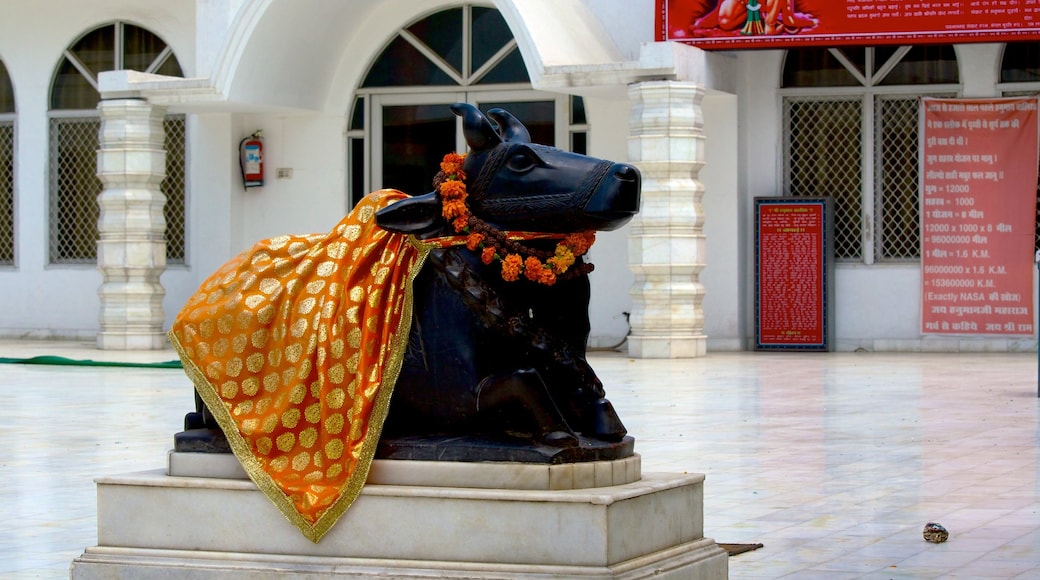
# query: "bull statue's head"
{"points": [[514, 184]]}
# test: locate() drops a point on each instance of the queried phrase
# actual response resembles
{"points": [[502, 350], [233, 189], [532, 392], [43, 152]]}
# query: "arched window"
{"points": [[74, 125], [6, 168], [850, 120], [1020, 76], [401, 125], [1021, 64]]}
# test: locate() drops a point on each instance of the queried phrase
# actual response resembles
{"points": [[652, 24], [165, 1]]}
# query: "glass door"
{"points": [[412, 134]]}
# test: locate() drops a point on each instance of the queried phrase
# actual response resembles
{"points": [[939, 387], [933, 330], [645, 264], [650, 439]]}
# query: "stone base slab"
{"points": [[443, 473], [152, 525], [698, 560]]}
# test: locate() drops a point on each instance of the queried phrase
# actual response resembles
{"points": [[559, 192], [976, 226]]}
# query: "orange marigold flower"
{"points": [[452, 164], [547, 277], [474, 240], [533, 268], [511, 267], [580, 242], [487, 255], [453, 189], [452, 208], [460, 223]]}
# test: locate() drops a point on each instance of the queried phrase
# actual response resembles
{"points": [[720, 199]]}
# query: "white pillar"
{"points": [[666, 247], [131, 164]]}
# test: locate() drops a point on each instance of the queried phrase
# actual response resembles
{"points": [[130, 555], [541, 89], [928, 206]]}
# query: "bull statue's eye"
{"points": [[522, 160]]}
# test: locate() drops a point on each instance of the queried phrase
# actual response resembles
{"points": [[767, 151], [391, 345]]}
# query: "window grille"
{"points": [[74, 189], [860, 144], [822, 145], [6, 192], [75, 184], [174, 187], [896, 179], [6, 168]]}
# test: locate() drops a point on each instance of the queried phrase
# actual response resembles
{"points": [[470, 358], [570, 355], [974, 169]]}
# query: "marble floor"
{"points": [[834, 462]]}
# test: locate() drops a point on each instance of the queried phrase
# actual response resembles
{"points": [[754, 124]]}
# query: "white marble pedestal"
{"points": [[412, 520]]}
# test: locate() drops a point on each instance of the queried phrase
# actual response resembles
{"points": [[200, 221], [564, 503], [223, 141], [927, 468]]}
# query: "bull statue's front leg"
{"points": [[520, 401], [576, 388]]}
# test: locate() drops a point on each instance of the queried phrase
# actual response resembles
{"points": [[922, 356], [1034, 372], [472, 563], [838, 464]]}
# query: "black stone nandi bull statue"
{"points": [[495, 363], [491, 356]]}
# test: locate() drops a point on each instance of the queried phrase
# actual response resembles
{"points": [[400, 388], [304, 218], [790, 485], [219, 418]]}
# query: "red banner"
{"points": [[978, 215], [727, 24]]}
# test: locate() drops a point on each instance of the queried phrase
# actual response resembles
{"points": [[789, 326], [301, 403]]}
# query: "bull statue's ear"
{"points": [[510, 127], [411, 215], [480, 135]]}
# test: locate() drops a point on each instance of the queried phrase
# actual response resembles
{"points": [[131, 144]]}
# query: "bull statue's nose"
{"points": [[629, 184], [616, 199], [625, 172]]}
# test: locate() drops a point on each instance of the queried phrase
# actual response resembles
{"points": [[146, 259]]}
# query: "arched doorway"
{"points": [[401, 125]]}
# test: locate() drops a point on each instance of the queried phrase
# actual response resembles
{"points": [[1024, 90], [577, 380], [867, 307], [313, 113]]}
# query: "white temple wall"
{"points": [[611, 279], [723, 225]]}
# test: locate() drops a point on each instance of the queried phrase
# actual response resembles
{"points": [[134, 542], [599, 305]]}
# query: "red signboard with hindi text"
{"points": [[728, 24], [794, 289], [978, 215]]}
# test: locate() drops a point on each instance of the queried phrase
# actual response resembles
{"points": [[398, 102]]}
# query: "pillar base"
{"points": [[125, 341], [667, 347], [121, 341]]}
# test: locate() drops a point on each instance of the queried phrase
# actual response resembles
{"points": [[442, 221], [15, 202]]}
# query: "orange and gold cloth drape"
{"points": [[295, 346]]}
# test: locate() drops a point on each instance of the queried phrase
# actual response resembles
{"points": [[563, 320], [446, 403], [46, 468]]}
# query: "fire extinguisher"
{"points": [[251, 159]]}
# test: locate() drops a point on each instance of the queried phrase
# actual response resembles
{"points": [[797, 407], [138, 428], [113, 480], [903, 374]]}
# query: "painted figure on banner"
{"points": [[445, 326], [747, 17]]}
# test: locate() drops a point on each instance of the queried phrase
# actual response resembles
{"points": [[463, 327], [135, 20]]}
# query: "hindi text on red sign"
{"points": [[978, 196]]}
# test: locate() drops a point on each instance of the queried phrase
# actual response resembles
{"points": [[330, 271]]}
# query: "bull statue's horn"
{"points": [[480, 135], [509, 127]]}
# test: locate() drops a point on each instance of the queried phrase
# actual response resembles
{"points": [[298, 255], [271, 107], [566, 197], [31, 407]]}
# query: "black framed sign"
{"points": [[794, 278]]}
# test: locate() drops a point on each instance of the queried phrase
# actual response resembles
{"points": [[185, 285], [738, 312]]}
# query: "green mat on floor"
{"points": [[60, 360]]}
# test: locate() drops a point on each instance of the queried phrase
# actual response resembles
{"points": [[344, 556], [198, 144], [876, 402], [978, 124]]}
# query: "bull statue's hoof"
{"points": [[560, 439]]}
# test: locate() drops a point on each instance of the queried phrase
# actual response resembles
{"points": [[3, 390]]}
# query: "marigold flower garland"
{"points": [[494, 245]]}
